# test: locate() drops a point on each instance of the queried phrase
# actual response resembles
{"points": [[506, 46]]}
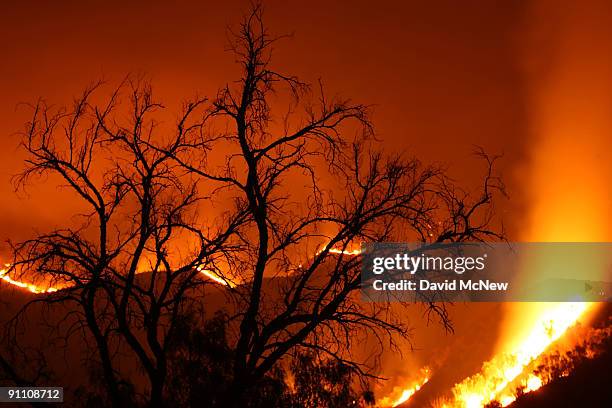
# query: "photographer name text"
{"points": [[447, 285]]}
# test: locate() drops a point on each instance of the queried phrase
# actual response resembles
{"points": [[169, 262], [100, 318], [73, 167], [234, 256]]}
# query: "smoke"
{"points": [[567, 61], [571, 127]]}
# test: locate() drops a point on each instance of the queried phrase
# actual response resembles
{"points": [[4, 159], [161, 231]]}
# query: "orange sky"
{"points": [[443, 78]]}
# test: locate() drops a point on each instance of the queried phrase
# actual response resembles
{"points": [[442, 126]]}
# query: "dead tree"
{"points": [[314, 186], [139, 247], [300, 182]]}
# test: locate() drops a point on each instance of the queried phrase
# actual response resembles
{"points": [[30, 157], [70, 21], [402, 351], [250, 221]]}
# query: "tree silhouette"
{"points": [[327, 383], [266, 187], [202, 354]]}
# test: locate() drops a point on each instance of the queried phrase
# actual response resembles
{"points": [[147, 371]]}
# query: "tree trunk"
{"points": [[156, 398], [235, 395]]}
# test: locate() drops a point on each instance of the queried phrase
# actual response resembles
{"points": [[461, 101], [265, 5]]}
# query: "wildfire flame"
{"points": [[28, 286], [570, 122], [474, 392], [39, 289], [349, 252], [215, 277], [493, 380], [353, 252], [405, 393]]}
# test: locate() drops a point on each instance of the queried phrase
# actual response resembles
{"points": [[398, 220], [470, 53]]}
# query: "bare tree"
{"points": [[348, 193], [140, 208], [301, 184]]}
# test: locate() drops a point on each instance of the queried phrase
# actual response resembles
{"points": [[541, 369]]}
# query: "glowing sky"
{"points": [[441, 78]]}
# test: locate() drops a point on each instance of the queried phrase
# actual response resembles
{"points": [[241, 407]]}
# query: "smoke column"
{"points": [[568, 177]]}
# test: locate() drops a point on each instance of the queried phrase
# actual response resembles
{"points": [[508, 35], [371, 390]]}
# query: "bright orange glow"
{"points": [[532, 384], [206, 272], [570, 123], [349, 252], [50, 289], [401, 394], [496, 375], [27, 286], [216, 278], [353, 252]]}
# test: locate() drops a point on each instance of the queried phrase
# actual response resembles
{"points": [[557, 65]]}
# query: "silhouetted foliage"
{"points": [[329, 383], [202, 355]]}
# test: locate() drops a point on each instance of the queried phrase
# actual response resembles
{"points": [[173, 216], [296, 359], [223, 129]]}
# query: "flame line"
{"points": [[215, 277]]}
